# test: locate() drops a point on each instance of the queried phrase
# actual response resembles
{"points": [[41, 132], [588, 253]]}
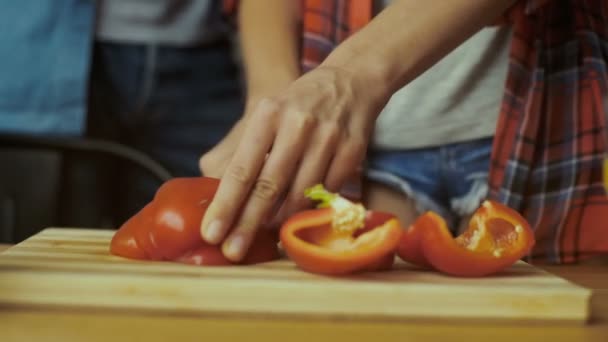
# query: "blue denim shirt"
{"points": [[45, 55]]}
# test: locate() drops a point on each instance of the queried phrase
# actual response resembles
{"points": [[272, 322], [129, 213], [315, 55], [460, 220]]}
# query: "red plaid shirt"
{"points": [[550, 139]]}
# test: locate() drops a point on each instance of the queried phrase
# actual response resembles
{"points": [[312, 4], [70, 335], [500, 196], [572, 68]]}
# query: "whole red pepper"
{"points": [[168, 228]]}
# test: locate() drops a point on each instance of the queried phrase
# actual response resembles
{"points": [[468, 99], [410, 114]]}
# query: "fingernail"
{"points": [[234, 247], [213, 233]]}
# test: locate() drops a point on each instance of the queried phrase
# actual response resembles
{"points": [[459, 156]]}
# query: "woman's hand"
{"points": [[318, 128], [315, 131]]}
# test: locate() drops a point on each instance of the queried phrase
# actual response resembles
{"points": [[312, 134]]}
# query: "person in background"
{"points": [[549, 141], [160, 76]]}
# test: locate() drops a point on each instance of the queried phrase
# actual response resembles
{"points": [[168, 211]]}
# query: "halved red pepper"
{"points": [[410, 246], [168, 228], [340, 237], [496, 238]]}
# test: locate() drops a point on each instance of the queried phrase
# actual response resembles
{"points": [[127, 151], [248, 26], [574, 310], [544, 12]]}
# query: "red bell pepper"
{"points": [[168, 228], [410, 246], [340, 237], [496, 238]]}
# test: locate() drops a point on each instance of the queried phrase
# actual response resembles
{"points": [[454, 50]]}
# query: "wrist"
{"points": [[365, 69], [267, 84]]}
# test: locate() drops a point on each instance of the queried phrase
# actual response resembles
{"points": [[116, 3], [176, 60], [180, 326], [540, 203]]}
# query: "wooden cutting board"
{"points": [[72, 269]]}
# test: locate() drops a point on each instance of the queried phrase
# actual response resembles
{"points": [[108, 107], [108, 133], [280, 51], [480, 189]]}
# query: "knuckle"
{"points": [[239, 174], [206, 165], [328, 85], [266, 189], [268, 116], [305, 122], [267, 108], [328, 90], [271, 118], [268, 103]]}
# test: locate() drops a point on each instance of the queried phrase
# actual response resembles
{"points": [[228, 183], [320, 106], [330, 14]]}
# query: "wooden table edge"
{"points": [[70, 325]]}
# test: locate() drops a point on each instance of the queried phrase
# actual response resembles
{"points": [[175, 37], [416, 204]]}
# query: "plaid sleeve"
{"points": [[326, 23], [527, 7], [550, 141], [533, 5], [229, 7]]}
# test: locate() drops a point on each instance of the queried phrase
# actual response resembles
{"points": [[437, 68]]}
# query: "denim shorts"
{"points": [[450, 179]]}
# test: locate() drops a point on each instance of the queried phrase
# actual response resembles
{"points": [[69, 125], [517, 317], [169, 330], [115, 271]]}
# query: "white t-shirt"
{"points": [[457, 99], [167, 22]]}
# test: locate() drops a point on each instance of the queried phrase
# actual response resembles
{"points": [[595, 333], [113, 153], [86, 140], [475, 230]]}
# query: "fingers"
{"points": [[273, 180], [346, 162], [312, 169], [281, 153], [213, 163], [240, 174]]}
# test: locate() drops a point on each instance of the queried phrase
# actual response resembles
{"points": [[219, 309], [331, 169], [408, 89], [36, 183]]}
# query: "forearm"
{"points": [[409, 37], [269, 44]]}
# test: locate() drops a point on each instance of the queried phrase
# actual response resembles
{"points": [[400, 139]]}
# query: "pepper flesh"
{"points": [[410, 246], [168, 228], [496, 238], [340, 238]]}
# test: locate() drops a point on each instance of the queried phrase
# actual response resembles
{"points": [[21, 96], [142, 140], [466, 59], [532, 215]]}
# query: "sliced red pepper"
{"points": [[496, 238], [168, 228], [374, 219], [410, 246], [341, 237]]}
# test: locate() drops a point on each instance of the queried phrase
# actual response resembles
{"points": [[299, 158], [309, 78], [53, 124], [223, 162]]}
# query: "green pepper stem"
{"points": [[319, 193], [347, 217]]}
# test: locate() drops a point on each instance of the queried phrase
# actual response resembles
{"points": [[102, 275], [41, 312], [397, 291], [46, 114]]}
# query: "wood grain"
{"points": [[60, 269]]}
